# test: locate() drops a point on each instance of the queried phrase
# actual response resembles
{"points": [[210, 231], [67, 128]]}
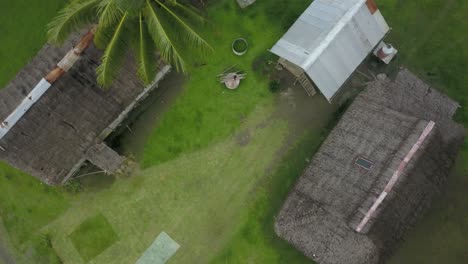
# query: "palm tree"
{"points": [[143, 26]]}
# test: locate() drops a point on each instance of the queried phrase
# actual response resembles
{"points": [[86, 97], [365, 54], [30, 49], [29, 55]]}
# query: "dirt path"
{"points": [[302, 112], [5, 255]]}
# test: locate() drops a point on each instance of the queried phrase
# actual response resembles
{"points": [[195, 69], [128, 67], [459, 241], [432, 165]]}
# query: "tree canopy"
{"points": [[145, 27]]}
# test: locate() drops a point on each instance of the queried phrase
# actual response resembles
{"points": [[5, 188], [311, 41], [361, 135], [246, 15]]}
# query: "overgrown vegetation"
{"points": [[274, 86], [26, 204], [73, 186], [43, 250], [264, 64], [240, 45], [93, 236]]}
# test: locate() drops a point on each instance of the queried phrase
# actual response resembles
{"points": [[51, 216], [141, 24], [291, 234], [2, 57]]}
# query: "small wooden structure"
{"points": [[300, 75], [329, 41], [67, 124], [385, 52]]}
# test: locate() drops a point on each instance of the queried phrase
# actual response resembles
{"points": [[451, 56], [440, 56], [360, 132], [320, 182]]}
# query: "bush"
{"points": [[46, 240], [274, 86], [240, 45], [265, 63], [8, 176], [73, 186], [44, 251]]}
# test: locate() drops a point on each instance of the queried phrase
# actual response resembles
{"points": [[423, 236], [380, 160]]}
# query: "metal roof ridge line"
{"points": [[332, 34]]}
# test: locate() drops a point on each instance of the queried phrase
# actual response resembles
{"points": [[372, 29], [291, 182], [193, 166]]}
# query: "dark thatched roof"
{"points": [[384, 122], [54, 137]]}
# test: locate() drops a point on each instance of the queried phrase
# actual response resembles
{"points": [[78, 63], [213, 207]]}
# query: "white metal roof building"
{"points": [[331, 39]]}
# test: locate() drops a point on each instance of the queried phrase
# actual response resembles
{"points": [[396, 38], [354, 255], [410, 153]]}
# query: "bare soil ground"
{"points": [[5, 251]]}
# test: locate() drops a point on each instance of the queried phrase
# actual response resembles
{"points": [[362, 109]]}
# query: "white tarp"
{"points": [[23, 107], [162, 249]]}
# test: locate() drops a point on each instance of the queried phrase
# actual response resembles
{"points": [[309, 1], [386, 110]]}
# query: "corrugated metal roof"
{"points": [[330, 39], [28, 101]]}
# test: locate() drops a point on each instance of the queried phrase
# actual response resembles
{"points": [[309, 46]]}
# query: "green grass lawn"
{"points": [[205, 112], [93, 236], [22, 27], [216, 197]]}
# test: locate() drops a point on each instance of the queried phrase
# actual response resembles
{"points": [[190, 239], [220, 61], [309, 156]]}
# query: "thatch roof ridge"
{"points": [[423, 180], [386, 174]]}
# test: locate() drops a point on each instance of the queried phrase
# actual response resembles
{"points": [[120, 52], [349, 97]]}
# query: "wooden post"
{"points": [[71, 57]]}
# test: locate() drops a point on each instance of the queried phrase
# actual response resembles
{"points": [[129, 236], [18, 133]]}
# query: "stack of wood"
{"points": [[232, 79]]}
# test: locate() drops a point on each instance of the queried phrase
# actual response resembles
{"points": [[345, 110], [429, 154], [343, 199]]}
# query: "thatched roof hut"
{"points": [[375, 174], [68, 124]]}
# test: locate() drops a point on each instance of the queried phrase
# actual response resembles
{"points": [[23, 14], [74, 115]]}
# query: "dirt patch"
{"points": [[243, 138], [312, 113], [302, 111], [5, 253]]}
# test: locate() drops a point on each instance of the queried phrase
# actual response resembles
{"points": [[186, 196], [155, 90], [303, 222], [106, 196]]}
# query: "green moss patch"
{"points": [[93, 236], [240, 45]]}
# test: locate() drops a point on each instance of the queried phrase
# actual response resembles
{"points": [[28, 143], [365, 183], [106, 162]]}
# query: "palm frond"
{"points": [[164, 42], [105, 32], [113, 54], [109, 13], [146, 54], [188, 32], [103, 36], [189, 12], [70, 19]]}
